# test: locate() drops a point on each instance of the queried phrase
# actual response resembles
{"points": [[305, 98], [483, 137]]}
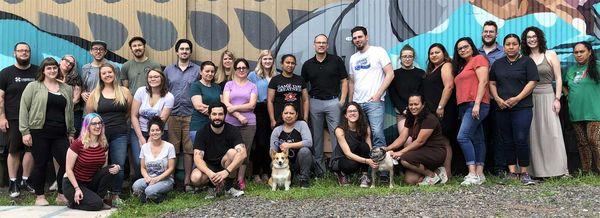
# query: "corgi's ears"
{"points": [[272, 153]]}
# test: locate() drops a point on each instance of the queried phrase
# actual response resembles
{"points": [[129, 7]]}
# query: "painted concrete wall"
{"points": [[58, 27]]}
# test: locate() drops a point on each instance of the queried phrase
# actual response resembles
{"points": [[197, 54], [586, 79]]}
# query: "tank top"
{"points": [[114, 116], [545, 72], [353, 140]]}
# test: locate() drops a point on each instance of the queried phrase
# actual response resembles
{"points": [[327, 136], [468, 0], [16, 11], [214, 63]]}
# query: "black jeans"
{"points": [[348, 166], [93, 191], [44, 148]]}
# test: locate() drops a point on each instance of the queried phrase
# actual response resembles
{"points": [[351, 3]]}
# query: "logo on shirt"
{"points": [[19, 79], [290, 96], [362, 64], [289, 88]]}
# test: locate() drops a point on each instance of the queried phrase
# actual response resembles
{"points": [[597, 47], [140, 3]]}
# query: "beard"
{"points": [[23, 62], [141, 54], [214, 123], [490, 43]]}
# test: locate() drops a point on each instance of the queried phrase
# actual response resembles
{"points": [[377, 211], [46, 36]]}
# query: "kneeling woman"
{"points": [[354, 140], [157, 158], [427, 151], [87, 178]]}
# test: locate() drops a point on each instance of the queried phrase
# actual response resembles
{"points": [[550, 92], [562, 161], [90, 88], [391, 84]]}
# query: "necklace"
{"points": [[512, 62]]}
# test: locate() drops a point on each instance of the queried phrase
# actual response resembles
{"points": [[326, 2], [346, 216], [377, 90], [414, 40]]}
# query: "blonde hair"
{"points": [[120, 98], [260, 71], [221, 74], [85, 136]]}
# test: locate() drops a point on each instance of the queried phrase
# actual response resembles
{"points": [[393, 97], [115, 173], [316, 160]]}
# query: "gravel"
{"points": [[482, 201]]}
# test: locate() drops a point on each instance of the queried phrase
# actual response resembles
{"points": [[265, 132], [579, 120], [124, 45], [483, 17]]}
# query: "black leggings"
{"points": [[261, 162], [93, 191], [348, 166], [43, 149]]}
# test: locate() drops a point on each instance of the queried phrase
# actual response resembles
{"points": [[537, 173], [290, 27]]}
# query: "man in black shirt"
{"points": [[218, 153], [13, 80], [326, 74]]}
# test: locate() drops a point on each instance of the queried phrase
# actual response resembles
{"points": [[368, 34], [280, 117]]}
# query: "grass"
{"points": [[325, 188]]}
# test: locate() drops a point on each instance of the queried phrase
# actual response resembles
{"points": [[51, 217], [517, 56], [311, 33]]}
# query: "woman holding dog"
{"points": [[426, 153], [294, 136], [354, 140]]}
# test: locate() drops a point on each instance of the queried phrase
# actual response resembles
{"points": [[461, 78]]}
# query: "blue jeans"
{"points": [[153, 191], [470, 135], [136, 147], [117, 151], [375, 113], [513, 126]]}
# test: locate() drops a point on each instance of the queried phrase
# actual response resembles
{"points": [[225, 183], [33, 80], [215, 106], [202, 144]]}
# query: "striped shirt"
{"points": [[88, 162]]}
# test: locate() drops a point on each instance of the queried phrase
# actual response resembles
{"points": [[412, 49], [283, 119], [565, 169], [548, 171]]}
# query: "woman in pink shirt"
{"points": [[473, 99]]}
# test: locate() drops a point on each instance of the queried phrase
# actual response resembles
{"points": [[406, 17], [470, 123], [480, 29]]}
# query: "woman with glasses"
{"points": [[473, 99], [112, 101], [88, 178], [407, 80], [46, 123], [149, 101], [284, 88], [239, 95]]}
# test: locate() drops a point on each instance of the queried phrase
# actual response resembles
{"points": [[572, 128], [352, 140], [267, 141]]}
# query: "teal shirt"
{"points": [[209, 95], [584, 94]]}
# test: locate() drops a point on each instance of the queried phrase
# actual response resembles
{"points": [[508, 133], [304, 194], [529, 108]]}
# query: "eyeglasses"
{"points": [[320, 43], [407, 57], [464, 47], [98, 49], [69, 63], [352, 111], [241, 68], [23, 50], [96, 123]]}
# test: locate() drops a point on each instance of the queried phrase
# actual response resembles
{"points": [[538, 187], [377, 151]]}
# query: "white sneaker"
{"points": [[470, 179], [441, 172], [235, 193], [430, 180], [481, 179], [53, 187]]}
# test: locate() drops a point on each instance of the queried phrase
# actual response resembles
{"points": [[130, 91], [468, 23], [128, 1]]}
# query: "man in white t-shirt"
{"points": [[370, 75]]}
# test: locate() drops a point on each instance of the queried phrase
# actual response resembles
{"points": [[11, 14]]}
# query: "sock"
{"points": [[25, 177], [13, 179]]}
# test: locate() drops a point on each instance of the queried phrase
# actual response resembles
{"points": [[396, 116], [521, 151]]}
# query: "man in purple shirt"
{"points": [[180, 77]]}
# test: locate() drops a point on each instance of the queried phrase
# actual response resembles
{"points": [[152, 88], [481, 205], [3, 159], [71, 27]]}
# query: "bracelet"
{"points": [[76, 188], [557, 98], [228, 172]]}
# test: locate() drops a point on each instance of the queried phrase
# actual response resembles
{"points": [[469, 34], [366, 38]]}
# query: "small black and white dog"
{"points": [[384, 162]]}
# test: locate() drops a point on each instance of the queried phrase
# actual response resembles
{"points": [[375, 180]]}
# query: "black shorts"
{"points": [[15, 139], [215, 167]]}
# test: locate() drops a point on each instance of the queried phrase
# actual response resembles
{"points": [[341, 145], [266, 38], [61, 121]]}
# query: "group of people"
{"points": [[225, 120]]}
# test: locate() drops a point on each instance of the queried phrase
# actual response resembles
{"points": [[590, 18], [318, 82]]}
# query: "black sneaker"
{"points": [[25, 186], [304, 184], [157, 200], [143, 198], [14, 189]]}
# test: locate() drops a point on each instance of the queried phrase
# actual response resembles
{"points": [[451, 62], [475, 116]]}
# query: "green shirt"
{"points": [[210, 95], [137, 72], [584, 94]]}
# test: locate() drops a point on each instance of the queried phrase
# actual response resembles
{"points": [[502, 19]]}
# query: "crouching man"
{"points": [[218, 153]]}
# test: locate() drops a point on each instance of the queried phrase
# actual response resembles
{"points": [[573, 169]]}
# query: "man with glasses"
{"points": [[326, 74], [13, 80], [135, 71], [492, 51], [90, 71], [180, 77]]}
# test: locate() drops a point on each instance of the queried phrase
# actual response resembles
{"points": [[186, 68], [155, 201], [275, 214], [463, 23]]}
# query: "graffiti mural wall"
{"points": [[58, 27]]}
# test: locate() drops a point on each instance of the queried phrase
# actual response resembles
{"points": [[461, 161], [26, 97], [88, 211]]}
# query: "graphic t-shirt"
{"points": [[367, 70], [147, 111], [157, 165], [287, 90], [13, 81]]}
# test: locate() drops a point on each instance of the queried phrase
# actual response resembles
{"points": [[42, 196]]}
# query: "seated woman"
{"points": [[354, 140], [294, 136], [427, 152], [157, 158], [88, 179]]}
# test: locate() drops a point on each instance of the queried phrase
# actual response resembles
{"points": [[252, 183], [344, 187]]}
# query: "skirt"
{"points": [[548, 153]]}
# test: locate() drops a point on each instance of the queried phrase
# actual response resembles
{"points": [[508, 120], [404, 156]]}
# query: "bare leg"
{"points": [[418, 169], [13, 161], [27, 164], [412, 178]]}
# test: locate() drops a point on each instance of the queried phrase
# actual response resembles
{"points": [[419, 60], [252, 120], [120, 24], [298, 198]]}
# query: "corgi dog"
{"points": [[281, 176]]}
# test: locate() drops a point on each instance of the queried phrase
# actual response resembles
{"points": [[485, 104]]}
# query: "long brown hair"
{"points": [[361, 124], [163, 83], [430, 65], [220, 74]]}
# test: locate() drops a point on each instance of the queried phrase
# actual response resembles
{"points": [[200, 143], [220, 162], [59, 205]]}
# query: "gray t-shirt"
{"points": [[137, 72], [89, 75], [159, 164], [147, 111]]}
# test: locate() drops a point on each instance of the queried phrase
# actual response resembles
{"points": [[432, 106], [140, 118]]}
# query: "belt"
{"points": [[324, 97]]}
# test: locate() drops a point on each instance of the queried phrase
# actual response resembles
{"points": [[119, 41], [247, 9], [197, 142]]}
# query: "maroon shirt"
{"points": [[89, 160]]}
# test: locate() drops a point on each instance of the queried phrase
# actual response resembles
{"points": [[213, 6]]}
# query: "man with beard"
{"points": [[135, 71], [89, 71], [492, 51], [326, 74], [218, 153], [370, 75], [180, 77], [13, 80]]}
